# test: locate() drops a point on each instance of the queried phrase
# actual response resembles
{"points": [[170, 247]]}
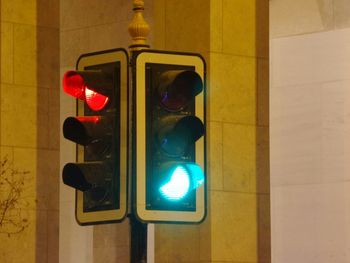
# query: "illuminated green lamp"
{"points": [[184, 178]]}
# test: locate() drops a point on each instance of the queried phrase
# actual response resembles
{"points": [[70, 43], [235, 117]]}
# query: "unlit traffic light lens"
{"points": [[73, 176], [178, 87], [85, 129], [85, 176], [177, 134]]}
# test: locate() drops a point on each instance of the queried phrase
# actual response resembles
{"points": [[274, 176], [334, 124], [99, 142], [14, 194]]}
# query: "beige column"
{"points": [[29, 129], [233, 37]]}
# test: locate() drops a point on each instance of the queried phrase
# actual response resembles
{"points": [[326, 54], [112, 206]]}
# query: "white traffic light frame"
{"points": [[167, 58], [107, 216]]}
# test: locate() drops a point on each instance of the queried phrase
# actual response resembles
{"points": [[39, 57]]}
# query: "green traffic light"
{"points": [[196, 174], [183, 179], [178, 185]]}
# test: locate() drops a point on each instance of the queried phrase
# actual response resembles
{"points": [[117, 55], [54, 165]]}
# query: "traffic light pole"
{"points": [[138, 29], [138, 239], [138, 230]]}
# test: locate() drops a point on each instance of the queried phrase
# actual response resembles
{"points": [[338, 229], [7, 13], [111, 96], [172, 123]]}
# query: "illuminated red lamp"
{"points": [[89, 119], [75, 85]]}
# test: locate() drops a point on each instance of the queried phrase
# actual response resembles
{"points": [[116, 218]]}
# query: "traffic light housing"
{"points": [[170, 137], [99, 130]]}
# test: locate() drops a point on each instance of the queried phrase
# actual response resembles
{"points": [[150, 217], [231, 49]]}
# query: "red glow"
{"points": [[91, 119], [96, 101], [73, 84]]}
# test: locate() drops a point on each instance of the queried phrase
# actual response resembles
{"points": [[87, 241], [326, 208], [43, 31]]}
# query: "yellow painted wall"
{"points": [[238, 84], [233, 37], [29, 118]]}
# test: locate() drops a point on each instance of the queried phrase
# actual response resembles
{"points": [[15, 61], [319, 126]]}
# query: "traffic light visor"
{"points": [[83, 129], [73, 176], [177, 134], [85, 176], [77, 86], [178, 87], [73, 84]]}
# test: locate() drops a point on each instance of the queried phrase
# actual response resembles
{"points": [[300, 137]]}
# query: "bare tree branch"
{"points": [[12, 202]]}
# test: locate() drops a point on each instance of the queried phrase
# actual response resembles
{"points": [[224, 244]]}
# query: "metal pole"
{"points": [[138, 241], [139, 30]]}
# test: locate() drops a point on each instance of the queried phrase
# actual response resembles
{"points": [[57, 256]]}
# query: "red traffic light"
{"points": [[83, 85]]}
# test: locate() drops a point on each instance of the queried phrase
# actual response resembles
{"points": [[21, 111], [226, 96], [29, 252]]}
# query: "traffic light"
{"points": [[99, 130], [169, 136]]}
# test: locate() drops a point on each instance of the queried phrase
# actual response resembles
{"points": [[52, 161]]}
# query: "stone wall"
{"points": [[295, 17], [309, 130], [29, 114]]}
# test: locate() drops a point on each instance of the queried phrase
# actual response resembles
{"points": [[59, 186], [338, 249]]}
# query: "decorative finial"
{"points": [[138, 28]]}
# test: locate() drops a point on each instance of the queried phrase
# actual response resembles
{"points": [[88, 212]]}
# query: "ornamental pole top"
{"points": [[138, 28]]}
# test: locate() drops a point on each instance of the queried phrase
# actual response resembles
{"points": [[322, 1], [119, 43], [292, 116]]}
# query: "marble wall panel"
{"points": [[216, 26], [216, 181], [293, 17], [47, 58], [239, 27], [111, 243], [341, 13], [326, 9], [234, 227], [54, 120], [232, 91], [263, 87], [311, 58], [73, 43], [11, 251], [289, 17], [296, 134], [310, 223], [29, 67], [109, 36], [19, 11], [239, 157], [185, 31], [24, 54], [14, 121], [6, 52], [308, 122], [77, 14], [309, 147], [177, 243]]}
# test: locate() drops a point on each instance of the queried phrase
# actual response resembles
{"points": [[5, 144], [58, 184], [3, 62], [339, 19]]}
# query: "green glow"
{"points": [[178, 185], [196, 174], [184, 178]]}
